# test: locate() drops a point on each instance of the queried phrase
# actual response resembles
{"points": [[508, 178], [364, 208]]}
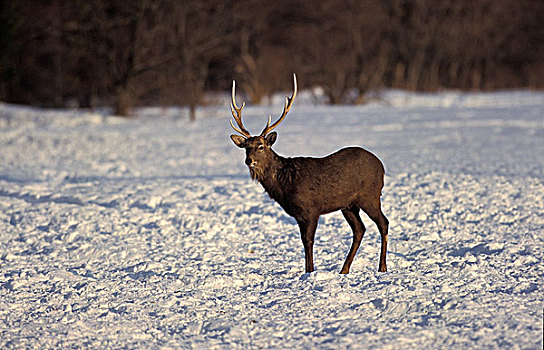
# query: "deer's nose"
{"points": [[249, 162]]}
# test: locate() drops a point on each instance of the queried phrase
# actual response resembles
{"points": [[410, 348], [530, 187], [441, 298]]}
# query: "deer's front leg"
{"points": [[307, 234]]}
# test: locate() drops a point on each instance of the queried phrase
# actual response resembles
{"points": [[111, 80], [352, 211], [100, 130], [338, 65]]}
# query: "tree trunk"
{"points": [[122, 102], [192, 111]]}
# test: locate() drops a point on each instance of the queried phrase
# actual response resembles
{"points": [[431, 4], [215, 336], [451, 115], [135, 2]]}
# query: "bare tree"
{"points": [[123, 38], [201, 31]]}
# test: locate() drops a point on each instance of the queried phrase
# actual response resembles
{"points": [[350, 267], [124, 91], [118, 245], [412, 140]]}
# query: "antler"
{"points": [[237, 114], [288, 103]]}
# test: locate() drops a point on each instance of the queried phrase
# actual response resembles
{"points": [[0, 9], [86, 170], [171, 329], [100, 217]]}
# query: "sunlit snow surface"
{"points": [[148, 233]]}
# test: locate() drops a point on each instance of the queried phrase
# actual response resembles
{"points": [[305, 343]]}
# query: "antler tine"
{"points": [[288, 103], [237, 114]]}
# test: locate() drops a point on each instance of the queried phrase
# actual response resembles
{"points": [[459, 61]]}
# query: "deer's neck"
{"points": [[277, 178]]}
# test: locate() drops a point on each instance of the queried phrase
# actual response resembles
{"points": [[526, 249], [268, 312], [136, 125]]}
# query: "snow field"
{"points": [[148, 233]]}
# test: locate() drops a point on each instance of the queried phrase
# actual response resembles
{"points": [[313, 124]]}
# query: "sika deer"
{"points": [[347, 180]]}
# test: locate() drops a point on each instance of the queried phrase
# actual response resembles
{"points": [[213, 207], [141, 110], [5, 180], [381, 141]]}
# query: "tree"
{"points": [[201, 31]]}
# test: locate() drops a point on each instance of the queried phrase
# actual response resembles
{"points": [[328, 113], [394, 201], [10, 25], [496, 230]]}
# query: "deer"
{"points": [[349, 180]]}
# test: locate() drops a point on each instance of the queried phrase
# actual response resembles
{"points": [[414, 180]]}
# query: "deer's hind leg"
{"points": [[354, 220], [373, 209]]}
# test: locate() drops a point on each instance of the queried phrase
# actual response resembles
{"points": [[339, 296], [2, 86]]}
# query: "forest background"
{"points": [[124, 54]]}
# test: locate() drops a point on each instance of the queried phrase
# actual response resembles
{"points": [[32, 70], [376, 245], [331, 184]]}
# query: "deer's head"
{"points": [[259, 154]]}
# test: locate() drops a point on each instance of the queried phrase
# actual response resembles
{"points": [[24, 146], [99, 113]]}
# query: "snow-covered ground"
{"points": [[148, 233]]}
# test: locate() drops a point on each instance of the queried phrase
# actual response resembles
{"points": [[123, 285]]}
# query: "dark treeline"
{"points": [[127, 53]]}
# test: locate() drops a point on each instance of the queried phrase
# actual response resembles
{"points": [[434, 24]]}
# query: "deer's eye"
{"points": [[260, 148]]}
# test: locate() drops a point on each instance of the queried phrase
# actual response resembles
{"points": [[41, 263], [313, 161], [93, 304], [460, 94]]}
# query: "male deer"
{"points": [[347, 180]]}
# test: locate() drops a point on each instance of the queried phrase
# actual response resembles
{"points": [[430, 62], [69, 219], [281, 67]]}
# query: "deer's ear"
{"points": [[238, 140], [271, 138]]}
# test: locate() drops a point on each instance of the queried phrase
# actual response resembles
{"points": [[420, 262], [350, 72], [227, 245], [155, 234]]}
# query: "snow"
{"points": [[148, 233]]}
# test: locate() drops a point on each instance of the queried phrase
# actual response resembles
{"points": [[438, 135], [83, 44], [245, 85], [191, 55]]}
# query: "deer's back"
{"points": [[337, 180]]}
